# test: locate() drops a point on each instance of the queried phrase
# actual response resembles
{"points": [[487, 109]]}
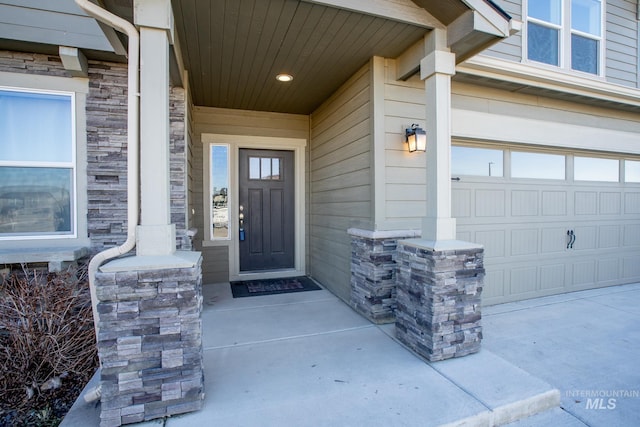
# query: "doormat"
{"points": [[250, 288]]}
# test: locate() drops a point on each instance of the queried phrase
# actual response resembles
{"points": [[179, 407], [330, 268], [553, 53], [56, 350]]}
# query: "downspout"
{"points": [[133, 157]]}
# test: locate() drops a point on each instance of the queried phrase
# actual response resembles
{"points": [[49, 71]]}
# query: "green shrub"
{"points": [[47, 345]]}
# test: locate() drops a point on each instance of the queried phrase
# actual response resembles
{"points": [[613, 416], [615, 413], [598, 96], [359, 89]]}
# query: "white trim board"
{"points": [[236, 142]]}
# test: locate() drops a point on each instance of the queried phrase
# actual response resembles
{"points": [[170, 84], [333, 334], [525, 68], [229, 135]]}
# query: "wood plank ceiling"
{"points": [[233, 49]]}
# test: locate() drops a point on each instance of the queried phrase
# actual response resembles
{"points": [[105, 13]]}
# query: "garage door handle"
{"points": [[572, 239]]}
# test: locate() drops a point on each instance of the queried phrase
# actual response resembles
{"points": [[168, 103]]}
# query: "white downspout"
{"points": [[133, 144]]}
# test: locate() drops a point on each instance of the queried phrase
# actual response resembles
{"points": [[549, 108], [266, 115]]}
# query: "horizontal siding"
{"points": [[215, 264], [510, 48], [621, 60], [405, 173], [340, 180]]}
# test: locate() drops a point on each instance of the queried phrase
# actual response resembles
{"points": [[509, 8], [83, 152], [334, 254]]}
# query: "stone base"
{"points": [[150, 342], [373, 273], [438, 310]]}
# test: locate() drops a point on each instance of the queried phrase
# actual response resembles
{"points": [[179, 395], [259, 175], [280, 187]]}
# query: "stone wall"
{"points": [[150, 343], [373, 273], [438, 299], [107, 156]]}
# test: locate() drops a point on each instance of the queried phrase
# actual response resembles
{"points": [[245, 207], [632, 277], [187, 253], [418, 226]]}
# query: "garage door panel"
{"points": [[524, 203], [552, 276], [632, 235], [584, 273], [494, 284], [631, 267], [490, 203], [524, 280], [610, 203], [585, 237], [609, 236], [554, 239], [632, 203], [493, 242], [465, 236], [461, 203], [524, 242], [608, 270], [585, 202], [554, 203]]}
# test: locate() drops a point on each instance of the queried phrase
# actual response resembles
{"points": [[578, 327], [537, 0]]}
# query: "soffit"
{"points": [[234, 49], [445, 11]]}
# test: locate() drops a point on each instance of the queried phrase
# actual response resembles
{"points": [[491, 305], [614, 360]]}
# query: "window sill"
{"points": [[57, 258]]}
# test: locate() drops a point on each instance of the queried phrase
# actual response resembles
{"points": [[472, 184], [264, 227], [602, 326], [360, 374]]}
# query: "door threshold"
{"points": [[270, 274]]}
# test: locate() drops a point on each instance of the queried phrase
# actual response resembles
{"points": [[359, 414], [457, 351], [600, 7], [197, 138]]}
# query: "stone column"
{"points": [[439, 278], [438, 298], [373, 272], [150, 305], [150, 341]]}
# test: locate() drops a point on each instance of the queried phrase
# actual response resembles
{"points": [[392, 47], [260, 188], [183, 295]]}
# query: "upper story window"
{"points": [[37, 164], [565, 33]]}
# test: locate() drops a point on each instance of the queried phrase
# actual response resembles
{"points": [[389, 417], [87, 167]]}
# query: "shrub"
{"points": [[47, 345]]}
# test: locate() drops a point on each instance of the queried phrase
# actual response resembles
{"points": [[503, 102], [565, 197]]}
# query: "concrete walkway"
{"points": [[307, 359]]}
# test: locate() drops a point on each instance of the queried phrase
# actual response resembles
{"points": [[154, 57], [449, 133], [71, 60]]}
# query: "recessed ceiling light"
{"points": [[284, 77]]}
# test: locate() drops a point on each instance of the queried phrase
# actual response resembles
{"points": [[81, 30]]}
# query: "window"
{"points": [[219, 191], [632, 171], [264, 168], [565, 33], [37, 164], [537, 165], [476, 161], [595, 169]]}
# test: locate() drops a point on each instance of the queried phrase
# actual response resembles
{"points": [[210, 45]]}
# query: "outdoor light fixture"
{"points": [[416, 138], [284, 77]]}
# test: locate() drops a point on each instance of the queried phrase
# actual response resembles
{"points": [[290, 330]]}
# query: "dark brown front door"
{"points": [[267, 203]]}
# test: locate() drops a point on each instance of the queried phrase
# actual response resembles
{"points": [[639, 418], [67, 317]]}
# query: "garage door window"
{"points": [[631, 171], [37, 164], [476, 161], [537, 165], [595, 169]]}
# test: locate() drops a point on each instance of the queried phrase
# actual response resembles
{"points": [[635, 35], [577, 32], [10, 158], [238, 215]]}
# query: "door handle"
{"points": [[241, 236], [572, 239]]}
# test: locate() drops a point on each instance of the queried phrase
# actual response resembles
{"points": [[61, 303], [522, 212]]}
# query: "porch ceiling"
{"points": [[234, 49]]}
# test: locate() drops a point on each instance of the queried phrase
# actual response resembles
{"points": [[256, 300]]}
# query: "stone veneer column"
{"points": [[438, 297], [150, 340], [373, 272]]}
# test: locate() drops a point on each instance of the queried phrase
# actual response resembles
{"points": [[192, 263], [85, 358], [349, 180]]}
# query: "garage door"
{"points": [[550, 221]]}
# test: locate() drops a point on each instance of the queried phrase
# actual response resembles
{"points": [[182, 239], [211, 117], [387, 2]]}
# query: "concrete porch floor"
{"points": [[307, 359]]}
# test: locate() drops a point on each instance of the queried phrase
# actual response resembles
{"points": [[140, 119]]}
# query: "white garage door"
{"points": [[550, 222]]}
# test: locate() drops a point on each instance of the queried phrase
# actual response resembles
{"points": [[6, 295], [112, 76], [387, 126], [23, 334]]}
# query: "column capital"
{"points": [[154, 14], [438, 62]]}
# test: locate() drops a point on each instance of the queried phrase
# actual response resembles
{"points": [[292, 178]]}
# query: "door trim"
{"points": [[236, 142]]}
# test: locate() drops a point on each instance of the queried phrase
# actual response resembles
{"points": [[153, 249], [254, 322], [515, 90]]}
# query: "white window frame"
{"points": [[565, 33], [77, 89], [210, 193], [237, 142]]}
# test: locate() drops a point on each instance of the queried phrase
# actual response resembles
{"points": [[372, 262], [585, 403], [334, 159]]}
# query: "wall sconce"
{"points": [[416, 138]]}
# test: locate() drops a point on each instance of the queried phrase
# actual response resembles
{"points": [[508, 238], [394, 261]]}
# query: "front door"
{"points": [[267, 209]]}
